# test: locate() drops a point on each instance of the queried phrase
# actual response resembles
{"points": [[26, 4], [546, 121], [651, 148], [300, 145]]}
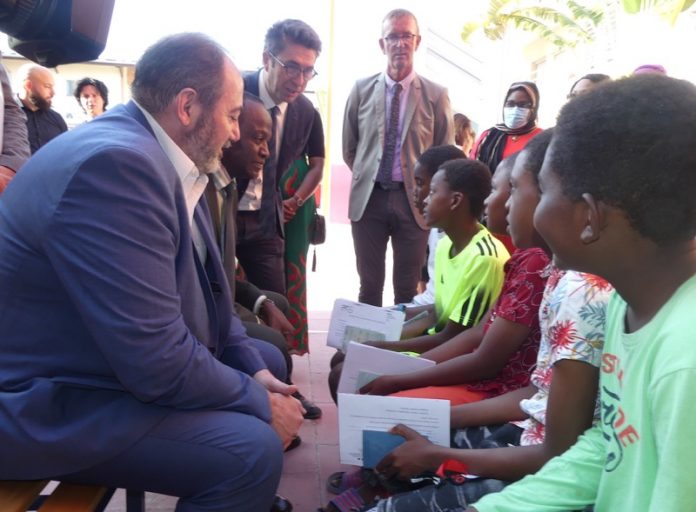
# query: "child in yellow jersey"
{"points": [[469, 260]]}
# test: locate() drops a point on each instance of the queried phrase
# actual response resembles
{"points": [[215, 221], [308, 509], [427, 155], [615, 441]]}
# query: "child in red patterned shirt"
{"points": [[496, 356]]}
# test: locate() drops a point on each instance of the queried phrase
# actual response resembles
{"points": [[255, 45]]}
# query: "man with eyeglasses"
{"points": [[35, 98], [390, 119], [291, 48]]}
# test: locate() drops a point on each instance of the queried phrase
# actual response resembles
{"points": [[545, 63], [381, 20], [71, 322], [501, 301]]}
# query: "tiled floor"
{"points": [[307, 467]]}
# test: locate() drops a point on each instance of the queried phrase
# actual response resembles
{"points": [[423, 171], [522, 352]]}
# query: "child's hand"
{"points": [[383, 385], [377, 344], [414, 457]]}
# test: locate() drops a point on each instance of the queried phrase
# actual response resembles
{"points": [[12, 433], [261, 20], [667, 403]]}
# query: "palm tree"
{"points": [[563, 23]]}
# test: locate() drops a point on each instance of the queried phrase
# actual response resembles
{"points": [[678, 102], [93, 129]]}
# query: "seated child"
{"points": [[469, 260], [498, 354], [548, 415], [423, 171], [618, 187]]}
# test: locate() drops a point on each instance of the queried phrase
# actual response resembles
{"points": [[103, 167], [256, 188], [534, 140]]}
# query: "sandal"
{"points": [[348, 501], [341, 481]]}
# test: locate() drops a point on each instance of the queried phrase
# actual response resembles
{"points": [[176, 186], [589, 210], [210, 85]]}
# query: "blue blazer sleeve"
{"points": [[120, 242]]}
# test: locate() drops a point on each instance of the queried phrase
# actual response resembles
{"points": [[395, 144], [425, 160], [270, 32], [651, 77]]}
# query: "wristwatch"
{"points": [[298, 200]]}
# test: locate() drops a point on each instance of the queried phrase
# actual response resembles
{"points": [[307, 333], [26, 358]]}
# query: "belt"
{"points": [[394, 185]]}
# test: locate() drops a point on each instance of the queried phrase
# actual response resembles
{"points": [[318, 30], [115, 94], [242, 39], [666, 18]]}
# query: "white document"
{"points": [[354, 321], [356, 413], [366, 359]]}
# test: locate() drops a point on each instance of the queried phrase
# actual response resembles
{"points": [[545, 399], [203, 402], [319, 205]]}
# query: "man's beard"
{"points": [[39, 102], [199, 148]]}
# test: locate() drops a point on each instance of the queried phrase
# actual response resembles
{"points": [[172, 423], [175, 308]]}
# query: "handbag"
{"points": [[317, 235], [317, 229]]}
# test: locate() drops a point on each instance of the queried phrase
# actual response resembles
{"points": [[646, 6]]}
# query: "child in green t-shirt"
{"points": [[618, 186]]}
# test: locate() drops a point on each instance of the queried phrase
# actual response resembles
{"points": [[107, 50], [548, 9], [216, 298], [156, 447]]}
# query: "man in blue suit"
{"points": [[121, 360]]}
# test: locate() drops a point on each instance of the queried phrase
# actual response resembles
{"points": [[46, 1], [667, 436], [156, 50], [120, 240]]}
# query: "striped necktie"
{"points": [[384, 174]]}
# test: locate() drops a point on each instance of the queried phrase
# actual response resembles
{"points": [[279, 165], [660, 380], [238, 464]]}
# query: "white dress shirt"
{"points": [[192, 180]]}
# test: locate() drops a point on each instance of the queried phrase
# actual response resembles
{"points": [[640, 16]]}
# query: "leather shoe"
{"points": [[281, 504], [296, 441], [312, 412]]}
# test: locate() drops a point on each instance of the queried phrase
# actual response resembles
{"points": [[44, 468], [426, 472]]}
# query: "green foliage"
{"points": [[636, 6], [668, 9], [563, 23]]}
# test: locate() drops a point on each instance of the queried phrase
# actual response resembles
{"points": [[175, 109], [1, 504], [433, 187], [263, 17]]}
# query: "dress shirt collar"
{"points": [[405, 83], [220, 178], [266, 96], [192, 180]]}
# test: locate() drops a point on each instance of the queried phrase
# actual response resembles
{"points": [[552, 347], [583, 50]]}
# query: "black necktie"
{"points": [[199, 325], [384, 174], [272, 160], [227, 231]]}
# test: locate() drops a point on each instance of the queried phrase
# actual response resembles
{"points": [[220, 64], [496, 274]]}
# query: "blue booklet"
{"points": [[378, 444]]}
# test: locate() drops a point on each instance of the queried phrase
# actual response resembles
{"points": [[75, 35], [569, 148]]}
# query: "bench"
{"points": [[20, 496]]}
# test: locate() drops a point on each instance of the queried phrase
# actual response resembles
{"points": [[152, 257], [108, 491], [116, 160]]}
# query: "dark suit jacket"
{"points": [[299, 118], [100, 301], [243, 292]]}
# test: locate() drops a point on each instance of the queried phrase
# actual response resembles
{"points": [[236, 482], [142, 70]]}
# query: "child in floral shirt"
{"points": [[573, 314]]}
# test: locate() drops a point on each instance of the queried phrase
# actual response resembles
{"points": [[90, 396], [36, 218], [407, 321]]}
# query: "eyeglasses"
{"points": [[294, 71], [395, 39], [520, 104]]}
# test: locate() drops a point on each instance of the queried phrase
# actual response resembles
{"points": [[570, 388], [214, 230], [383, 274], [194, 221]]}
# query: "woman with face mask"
{"points": [[518, 127]]}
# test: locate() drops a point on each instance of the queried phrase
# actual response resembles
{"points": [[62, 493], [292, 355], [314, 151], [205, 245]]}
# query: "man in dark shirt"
{"points": [[43, 123]]}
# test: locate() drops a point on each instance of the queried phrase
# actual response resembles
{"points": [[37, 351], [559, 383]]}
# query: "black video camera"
{"points": [[54, 32]]}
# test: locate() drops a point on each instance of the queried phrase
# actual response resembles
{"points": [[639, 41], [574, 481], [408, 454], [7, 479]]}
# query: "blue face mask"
{"points": [[516, 117]]}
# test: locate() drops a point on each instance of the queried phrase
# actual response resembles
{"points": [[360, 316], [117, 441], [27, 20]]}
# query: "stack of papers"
{"points": [[354, 321], [364, 363], [358, 413]]}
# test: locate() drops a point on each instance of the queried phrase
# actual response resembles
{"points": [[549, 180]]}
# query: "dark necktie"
{"points": [[384, 174], [199, 324], [272, 160], [228, 212]]}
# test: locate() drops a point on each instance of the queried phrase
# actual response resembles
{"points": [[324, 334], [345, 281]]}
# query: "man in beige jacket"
{"points": [[390, 119]]}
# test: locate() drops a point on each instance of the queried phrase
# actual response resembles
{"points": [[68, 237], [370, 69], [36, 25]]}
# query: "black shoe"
{"points": [[281, 504], [296, 441], [312, 411]]}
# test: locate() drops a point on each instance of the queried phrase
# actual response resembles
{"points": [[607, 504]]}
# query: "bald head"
{"points": [[37, 87]]}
